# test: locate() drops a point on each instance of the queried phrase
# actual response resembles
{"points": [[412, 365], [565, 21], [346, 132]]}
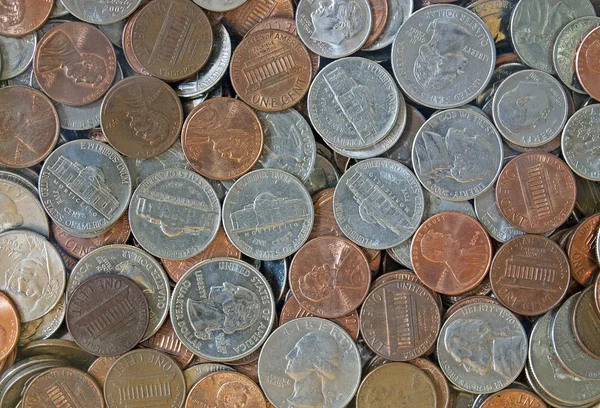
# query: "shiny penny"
{"points": [[243, 18], [586, 323], [167, 343], [10, 326], [581, 249], [379, 17], [586, 63], [224, 390], [514, 398], [324, 223], [21, 17]]}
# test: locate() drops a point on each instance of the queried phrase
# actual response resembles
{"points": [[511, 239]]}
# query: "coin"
{"points": [[402, 150], [195, 373], [324, 224], [242, 19], [578, 142], [489, 215], [63, 350], [45, 326], [451, 253], [100, 367], [20, 209], [144, 378], [586, 63], [23, 17], [496, 16], [585, 322], [581, 249], [515, 398], [165, 341], [10, 326], [100, 13], [379, 17], [324, 175], [588, 196], [219, 5], [225, 389], [20, 180], [222, 309]]}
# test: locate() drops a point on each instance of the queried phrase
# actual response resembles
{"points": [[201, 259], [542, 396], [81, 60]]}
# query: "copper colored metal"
{"points": [[403, 274], [214, 17], [582, 250], [468, 301], [324, 223], [100, 367], [29, 126], [536, 192], [21, 17], [250, 370], [225, 389], [442, 389], [240, 20], [379, 11], [330, 276], [10, 326], [75, 64], [167, 342], [587, 63], [132, 60], [451, 253], [513, 398], [586, 323], [222, 138], [507, 58]]}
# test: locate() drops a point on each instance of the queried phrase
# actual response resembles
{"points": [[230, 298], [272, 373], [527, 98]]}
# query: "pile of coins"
{"points": [[299, 204]]}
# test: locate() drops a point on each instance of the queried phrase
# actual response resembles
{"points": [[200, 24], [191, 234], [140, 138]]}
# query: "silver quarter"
{"points": [[402, 150], [21, 209], [45, 326], [268, 214], [222, 309], [174, 214], [581, 142], [219, 5], [114, 32], [333, 29], [588, 196], [20, 180], [489, 215], [309, 362], [353, 103], [398, 12], [101, 12], [457, 154], [443, 56], [324, 175], [378, 203], [16, 54]]}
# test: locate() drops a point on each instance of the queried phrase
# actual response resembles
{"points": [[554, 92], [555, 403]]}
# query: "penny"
{"points": [[99, 368], [16, 54], [581, 249], [141, 117], [586, 65], [398, 12], [225, 389], [222, 138], [324, 175], [11, 393], [241, 19], [45, 326], [195, 373], [20, 209], [75, 64], [379, 12], [451, 253], [165, 341], [67, 385], [530, 275], [132, 61], [10, 326], [171, 45], [514, 398], [402, 150], [30, 127], [443, 394], [219, 5], [324, 224], [585, 323], [489, 215], [22, 17], [144, 378], [101, 12], [579, 138]]}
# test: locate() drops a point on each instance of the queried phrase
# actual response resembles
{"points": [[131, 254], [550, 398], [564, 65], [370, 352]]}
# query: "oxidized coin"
{"points": [[443, 56], [309, 362], [222, 138], [378, 203], [587, 63], [400, 320], [530, 108], [536, 192], [514, 398], [64, 386], [21, 17], [530, 275], [31, 273], [225, 389], [144, 378], [451, 253], [270, 70], [457, 154], [107, 315], [29, 126], [353, 103], [174, 214], [100, 12], [10, 325], [45, 326], [268, 214], [171, 39], [243, 18], [488, 214], [585, 323], [165, 341], [581, 249], [75, 64], [482, 348], [16, 54], [324, 224], [324, 175], [222, 309], [330, 276], [20, 209], [580, 142], [141, 117], [99, 368]]}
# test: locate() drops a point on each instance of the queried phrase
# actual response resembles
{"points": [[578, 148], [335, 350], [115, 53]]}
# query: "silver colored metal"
{"points": [[20, 209], [58, 10], [324, 175], [398, 12], [402, 150], [402, 253], [45, 326], [114, 32], [219, 5], [16, 54], [99, 12], [588, 196], [435, 205], [276, 273], [20, 180], [491, 218], [581, 142]]}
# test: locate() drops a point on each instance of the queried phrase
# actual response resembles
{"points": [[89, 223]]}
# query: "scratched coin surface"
{"points": [[22, 17], [587, 63], [20, 209], [582, 250], [222, 309], [240, 20], [378, 203], [101, 12], [580, 140], [514, 398], [225, 389], [309, 362]]}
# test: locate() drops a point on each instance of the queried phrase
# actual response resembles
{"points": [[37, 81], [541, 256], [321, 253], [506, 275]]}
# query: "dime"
{"points": [[242, 19], [165, 341], [10, 326], [378, 203], [489, 215], [500, 343], [143, 377], [585, 323], [101, 12], [45, 326], [20, 209], [308, 361], [581, 249], [222, 309], [171, 45], [268, 214], [514, 398], [449, 59], [100, 367], [536, 192], [530, 275], [219, 5], [222, 138], [353, 103], [23, 17], [75, 64], [141, 117], [324, 175], [195, 373], [225, 389], [16, 54], [579, 140]]}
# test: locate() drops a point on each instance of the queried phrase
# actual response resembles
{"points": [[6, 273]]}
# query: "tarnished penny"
{"points": [[21, 17], [536, 192], [141, 117], [586, 63], [586, 323], [379, 17], [451, 253], [29, 126], [330, 276], [514, 398], [75, 64], [242, 19], [130, 57], [324, 223], [225, 389], [222, 138], [167, 343], [530, 274], [100, 367], [271, 70], [443, 394], [10, 326], [581, 249], [107, 315]]}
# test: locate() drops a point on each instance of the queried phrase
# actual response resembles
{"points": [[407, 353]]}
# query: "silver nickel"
{"points": [[435, 205], [101, 12], [399, 11], [20, 209], [489, 215], [402, 150], [45, 326], [16, 54], [324, 175], [581, 142]]}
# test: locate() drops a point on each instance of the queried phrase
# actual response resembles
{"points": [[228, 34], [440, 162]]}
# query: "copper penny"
{"points": [[451, 253], [225, 389], [597, 294], [443, 392], [167, 342], [379, 11], [330, 276], [29, 126], [292, 310], [513, 398], [141, 117], [530, 274], [250, 370], [63, 387], [171, 39], [536, 192], [222, 138], [587, 63], [324, 223], [242, 19], [75, 64], [586, 323], [107, 315], [468, 301], [404, 274], [271, 70], [80, 247], [132, 60], [21, 17], [582, 250], [10, 326], [99, 368]]}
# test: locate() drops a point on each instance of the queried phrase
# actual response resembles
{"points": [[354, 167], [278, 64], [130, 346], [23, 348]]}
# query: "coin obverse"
{"points": [[580, 142]]}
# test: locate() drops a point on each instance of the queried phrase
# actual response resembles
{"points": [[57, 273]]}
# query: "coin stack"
{"points": [[299, 204]]}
